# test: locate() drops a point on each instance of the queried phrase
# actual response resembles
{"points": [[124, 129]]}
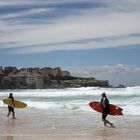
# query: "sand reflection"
{"points": [[9, 138]]}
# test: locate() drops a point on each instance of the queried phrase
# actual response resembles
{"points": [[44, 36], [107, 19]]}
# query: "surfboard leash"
{"points": [[126, 121]]}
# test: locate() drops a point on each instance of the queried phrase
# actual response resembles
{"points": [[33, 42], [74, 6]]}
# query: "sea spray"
{"points": [[77, 98]]}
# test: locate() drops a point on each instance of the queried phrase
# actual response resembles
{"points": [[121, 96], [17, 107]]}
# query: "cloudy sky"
{"points": [[98, 38]]}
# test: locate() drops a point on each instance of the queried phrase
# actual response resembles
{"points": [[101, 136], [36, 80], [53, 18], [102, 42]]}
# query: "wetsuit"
{"points": [[10, 108], [105, 107]]}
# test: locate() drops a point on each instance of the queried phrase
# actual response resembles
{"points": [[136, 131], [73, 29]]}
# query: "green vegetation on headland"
{"points": [[41, 78]]}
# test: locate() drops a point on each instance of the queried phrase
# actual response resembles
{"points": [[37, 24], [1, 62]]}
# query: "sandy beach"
{"points": [[65, 124]]}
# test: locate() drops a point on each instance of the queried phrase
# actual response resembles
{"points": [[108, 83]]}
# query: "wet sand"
{"points": [[34, 124]]}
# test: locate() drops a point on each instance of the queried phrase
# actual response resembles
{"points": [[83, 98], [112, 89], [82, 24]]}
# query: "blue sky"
{"points": [[87, 37]]}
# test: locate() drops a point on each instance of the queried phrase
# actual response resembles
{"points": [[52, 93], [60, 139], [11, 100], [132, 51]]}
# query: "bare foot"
{"points": [[111, 125]]}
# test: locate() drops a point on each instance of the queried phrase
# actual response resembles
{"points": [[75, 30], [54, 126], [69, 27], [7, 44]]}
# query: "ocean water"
{"points": [[77, 98]]}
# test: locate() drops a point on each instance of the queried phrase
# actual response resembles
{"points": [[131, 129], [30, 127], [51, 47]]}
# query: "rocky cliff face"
{"points": [[70, 81], [11, 77]]}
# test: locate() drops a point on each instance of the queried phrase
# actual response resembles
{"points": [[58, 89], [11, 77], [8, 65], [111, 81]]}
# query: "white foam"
{"points": [[131, 109], [77, 98], [1, 103], [74, 92], [43, 105]]}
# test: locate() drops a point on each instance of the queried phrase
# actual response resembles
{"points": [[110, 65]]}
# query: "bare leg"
{"points": [[104, 122], [8, 114], [107, 122], [13, 113], [111, 124]]}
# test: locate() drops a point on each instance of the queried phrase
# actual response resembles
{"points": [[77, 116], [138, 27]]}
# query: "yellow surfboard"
{"points": [[17, 103]]}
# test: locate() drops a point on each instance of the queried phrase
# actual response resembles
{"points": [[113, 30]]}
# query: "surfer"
{"points": [[10, 108], [105, 107]]}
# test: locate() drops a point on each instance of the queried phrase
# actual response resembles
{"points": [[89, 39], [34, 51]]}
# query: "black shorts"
{"points": [[11, 109], [105, 113]]}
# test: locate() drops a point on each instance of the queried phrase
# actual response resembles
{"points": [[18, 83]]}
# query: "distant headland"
{"points": [[42, 78]]}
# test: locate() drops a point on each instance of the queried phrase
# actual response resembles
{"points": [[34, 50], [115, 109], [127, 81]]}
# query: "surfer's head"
{"points": [[103, 95], [11, 94]]}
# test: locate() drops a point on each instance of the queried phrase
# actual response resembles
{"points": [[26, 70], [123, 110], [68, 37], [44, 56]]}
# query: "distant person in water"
{"points": [[10, 108], [105, 107]]}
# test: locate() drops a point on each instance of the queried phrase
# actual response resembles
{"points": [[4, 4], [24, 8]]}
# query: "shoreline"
{"points": [[61, 87], [64, 124]]}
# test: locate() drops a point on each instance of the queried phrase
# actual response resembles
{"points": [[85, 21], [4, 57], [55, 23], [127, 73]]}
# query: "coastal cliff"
{"points": [[40, 78], [71, 81]]}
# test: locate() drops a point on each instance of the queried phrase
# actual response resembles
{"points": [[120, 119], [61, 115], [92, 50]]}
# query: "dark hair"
{"points": [[104, 95]]}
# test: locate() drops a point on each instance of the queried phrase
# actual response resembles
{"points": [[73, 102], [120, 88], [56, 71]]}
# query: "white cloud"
{"points": [[32, 2], [117, 74], [103, 23], [25, 13]]}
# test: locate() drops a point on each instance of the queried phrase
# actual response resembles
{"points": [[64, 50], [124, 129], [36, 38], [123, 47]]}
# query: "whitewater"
{"points": [[77, 98]]}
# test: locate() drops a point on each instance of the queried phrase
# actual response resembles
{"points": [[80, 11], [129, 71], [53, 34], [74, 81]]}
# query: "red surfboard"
{"points": [[113, 110]]}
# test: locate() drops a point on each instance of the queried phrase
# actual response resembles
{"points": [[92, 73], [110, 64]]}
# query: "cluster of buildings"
{"points": [[38, 78]]}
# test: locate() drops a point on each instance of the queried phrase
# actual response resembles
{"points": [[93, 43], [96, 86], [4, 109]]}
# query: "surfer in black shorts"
{"points": [[105, 107], [10, 108]]}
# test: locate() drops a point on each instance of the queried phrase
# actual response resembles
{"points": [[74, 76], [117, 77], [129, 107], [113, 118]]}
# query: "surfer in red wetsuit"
{"points": [[10, 108], [105, 107]]}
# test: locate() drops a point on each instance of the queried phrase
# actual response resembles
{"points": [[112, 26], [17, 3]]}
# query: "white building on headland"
{"points": [[35, 81], [26, 79]]}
